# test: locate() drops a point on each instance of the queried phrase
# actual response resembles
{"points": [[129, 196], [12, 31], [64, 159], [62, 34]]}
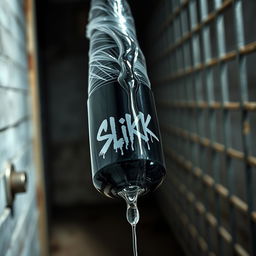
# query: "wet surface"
{"points": [[104, 231]]}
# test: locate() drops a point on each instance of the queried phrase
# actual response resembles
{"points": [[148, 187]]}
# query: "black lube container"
{"points": [[125, 142]]}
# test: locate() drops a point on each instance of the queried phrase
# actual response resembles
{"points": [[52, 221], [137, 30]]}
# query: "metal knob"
{"points": [[16, 182]]}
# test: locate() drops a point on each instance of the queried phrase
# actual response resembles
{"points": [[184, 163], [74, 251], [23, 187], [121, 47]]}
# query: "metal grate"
{"points": [[203, 63]]}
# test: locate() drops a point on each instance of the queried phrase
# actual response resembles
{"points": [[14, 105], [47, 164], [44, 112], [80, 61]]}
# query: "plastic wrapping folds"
{"points": [[114, 53], [123, 128]]}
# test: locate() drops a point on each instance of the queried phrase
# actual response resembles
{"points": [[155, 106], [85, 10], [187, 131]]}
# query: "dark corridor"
{"points": [[83, 222]]}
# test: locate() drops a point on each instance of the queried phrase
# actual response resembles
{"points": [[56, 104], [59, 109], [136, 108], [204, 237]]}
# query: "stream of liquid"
{"points": [[134, 241], [130, 195]]}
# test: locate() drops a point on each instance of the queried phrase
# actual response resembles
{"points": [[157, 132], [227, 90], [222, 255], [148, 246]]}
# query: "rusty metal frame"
{"points": [[178, 68], [29, 9]]}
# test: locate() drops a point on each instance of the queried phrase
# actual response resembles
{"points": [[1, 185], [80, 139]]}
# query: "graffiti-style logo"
{"points": [[130, 130]]}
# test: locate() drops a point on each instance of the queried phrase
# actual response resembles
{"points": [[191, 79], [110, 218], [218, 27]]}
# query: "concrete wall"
{"points": [[18, 228]]}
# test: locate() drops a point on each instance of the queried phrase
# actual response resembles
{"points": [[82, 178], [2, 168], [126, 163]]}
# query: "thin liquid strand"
{"points": [[134, 241], [130, 195]]}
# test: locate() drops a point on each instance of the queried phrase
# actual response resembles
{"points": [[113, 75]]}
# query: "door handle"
{"points": [[15, 182]]}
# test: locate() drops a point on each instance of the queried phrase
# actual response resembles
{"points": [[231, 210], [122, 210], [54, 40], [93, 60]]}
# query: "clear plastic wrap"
{"points": [[114, 50]]}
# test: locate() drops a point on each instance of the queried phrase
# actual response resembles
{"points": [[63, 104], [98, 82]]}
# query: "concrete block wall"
{"points": [[18, 227]]}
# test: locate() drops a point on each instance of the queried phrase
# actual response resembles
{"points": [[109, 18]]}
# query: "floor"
{"points": [[103, 231]]}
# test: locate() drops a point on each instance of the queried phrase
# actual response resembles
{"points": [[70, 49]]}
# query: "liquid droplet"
{"points": [[132, 214], [130, 195]]}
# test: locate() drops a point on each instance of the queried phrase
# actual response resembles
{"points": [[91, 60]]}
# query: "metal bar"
{"points": [[223, 83], [171, 17], [195, 86], [210, 94], [246, 106], [209, 182], [30, 20], [176, 223], [218, 147], [246, 136], [185, 89], [247, 49], [198, 85], [191, 199], [211, 17], [189, 65]]}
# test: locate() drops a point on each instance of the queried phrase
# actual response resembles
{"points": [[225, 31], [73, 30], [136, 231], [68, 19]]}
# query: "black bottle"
{"points": [[125, 142]]}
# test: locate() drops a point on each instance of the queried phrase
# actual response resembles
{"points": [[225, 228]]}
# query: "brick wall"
{"points": [[18, 228]]}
